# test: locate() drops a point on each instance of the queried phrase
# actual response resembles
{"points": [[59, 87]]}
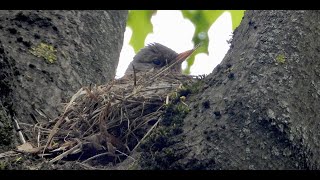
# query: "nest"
{"points": [[108, 121]]}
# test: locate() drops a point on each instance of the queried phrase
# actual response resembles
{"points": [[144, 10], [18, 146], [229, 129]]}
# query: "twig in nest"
{"points": [[37, 126], [105, 112], [73, 98], [90, 128], [86, 166], [66, 153], [143, 103], [167, 99], [149, 116], [18, 129], [134, 76], [92, 96], [60, 121], [38, 138], [98, 155], [126, 155], [55, 130], [147, 134]]}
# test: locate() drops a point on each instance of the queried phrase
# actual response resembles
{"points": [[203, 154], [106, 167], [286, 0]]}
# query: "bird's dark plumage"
{"points": [[156, 56]]}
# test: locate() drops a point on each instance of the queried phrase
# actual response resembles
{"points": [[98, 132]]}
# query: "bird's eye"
{"points": [[156, 62]]}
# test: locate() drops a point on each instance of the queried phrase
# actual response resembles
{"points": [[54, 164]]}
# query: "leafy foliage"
{"points": [[236, 17], [202, 21], [140, 23]]}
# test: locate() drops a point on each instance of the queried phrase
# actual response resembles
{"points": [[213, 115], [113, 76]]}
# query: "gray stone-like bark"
{"points": [[259, 108], [269, 109], [86, 44]]}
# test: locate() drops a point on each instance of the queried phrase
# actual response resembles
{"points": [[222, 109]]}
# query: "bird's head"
{"points": [[156, 56]]}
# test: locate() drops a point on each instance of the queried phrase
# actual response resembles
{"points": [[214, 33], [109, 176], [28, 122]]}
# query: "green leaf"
{"points": [[202, 20], [140, 23], [236, 17]]}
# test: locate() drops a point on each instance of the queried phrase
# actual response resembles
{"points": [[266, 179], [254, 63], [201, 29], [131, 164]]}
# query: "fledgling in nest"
{"points": [[113, 119]]}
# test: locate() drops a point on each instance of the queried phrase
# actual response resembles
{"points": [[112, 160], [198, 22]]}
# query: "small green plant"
{"points": [[3, 165], [281, 59], [45, 51]]}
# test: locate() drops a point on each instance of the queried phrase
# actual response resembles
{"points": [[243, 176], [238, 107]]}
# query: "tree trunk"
{"points": [[49, 55], [259, 108], [46, 56]]}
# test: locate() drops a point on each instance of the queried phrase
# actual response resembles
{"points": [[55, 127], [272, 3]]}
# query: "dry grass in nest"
{"points": [[108, 121]]}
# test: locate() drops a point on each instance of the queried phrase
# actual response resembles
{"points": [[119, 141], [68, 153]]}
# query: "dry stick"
{"points": [[87, 166], [98, 155], [159, 73], [156, 88], [136, 90], [90, 127], [134, 76], [26, 124], [60, 121], [156, 113], [167, 99], [53, 132], [44, 130], [147, 134], [142, 111], [121, 115], [129, 129], [38, 138], [127, 136], [126, 155], [102, 123], [90, 94], [95, 116], [66, 153], [134, 101], [16, 125], [94, 123], [150, 71], [19, 131]]}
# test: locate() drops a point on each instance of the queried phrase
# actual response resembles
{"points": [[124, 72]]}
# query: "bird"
{"points": [[152, 75], [156, 56], [117, 116], [156, 67]]}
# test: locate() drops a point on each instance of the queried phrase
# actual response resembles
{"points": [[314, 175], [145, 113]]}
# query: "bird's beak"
{"points": [[184, 55]]}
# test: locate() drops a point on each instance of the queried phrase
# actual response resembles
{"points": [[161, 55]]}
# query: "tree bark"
{"points": [[259, 108], [46, 56]]}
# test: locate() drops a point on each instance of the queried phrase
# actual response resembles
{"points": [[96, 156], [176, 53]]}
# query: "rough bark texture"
{"points": [[259, 108], [46, 56]]}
